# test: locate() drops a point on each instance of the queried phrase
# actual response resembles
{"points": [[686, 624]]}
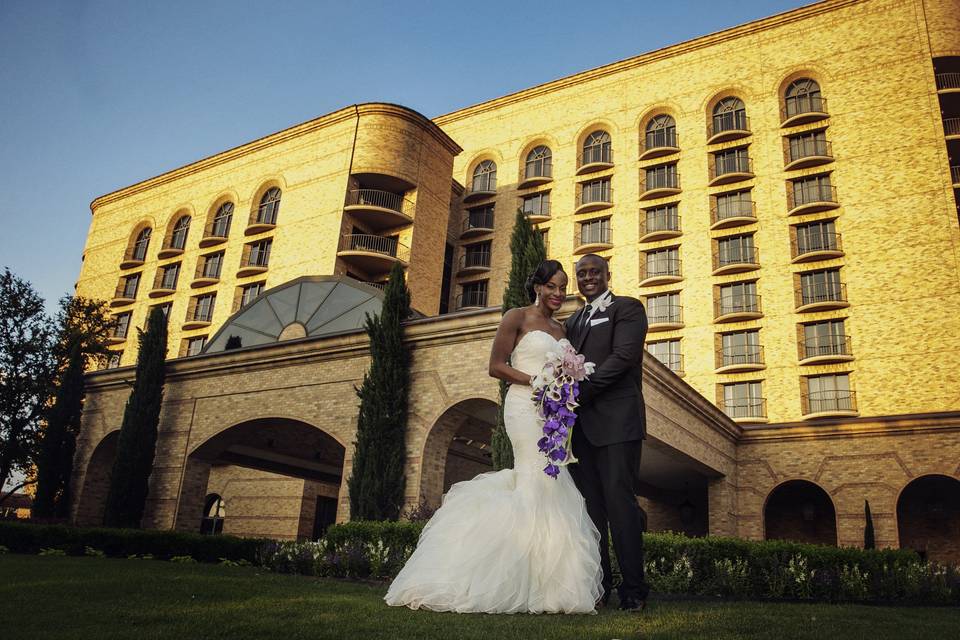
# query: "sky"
{"points": [[99, 95]]}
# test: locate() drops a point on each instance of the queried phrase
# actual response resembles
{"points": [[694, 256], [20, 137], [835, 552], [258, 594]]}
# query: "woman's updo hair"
{"points": [[545, 270]]}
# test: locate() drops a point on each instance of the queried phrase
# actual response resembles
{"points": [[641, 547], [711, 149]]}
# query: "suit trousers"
{"points": [[608, 478]]}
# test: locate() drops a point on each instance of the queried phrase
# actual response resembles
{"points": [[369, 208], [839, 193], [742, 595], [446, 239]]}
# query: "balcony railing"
{"points": [[673, 361], [821, 293], [802, 152], [375, 244], [743, 256], [661, 224], [819, 242], [744, 408], [531, 175], [727, 127], [730, 165], [740, 355], [475, 260], [471, 299], [951, 126], [734, 209], [651, 181], [810, 195], [594, 195], [476, 222], [796, 107], [659, 268], [481, 187], [600, 155], [127, 289], [747, 303], [376, 198], [658, 143], [955, 174], [946, 81], [665, 314], [825, 346], [593, 235], [829, 402]]}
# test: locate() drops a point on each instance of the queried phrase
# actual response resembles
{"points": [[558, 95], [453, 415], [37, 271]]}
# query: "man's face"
{"points": [[591, 276]]}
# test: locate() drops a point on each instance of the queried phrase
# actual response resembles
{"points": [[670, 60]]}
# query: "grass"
{"points": [[67, 597]]}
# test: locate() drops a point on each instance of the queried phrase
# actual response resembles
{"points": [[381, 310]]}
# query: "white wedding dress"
{"points": [[508, 541]]}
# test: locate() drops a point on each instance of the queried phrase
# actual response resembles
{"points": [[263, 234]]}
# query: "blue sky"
{"points": [[99, 95]]}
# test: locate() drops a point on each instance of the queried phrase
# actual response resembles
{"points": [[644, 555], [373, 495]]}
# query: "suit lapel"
{"points": [[582, 336]]}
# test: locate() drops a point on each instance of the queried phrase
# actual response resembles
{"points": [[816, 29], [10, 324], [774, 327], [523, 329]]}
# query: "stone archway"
{"points": [[282, 478], [457, 447], [96, 482], [928, 518], [800, 511]]}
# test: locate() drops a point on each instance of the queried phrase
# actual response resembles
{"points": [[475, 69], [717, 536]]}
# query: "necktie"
{"points": [[585, 318]]}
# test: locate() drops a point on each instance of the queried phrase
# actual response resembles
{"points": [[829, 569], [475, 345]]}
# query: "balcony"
{"points": [[212, 239], [664, 317], [823, 245], [739, 358], [659, 185], [659, 143], [829, 404], [724, 170], [206, 277], [378, 209], [745, 410], [592, 240], [131, 263], [539, 214], [726, 128], [373, 254], [161, 289], [659, 271], [736, 308], [480, 189], [595, 158], [955, 176], [951, 128], [825, 349], [673, 361], [474, 262], [471, 300], [807, 153], [198, 321], [534, 177], [256, 227], [594, 198], [821, 297], [737, 261], [126, 293], [170, 252], [118, 335], [660, 226], [948, 82], [475, 224], [803, 109], [732, 214], [811, 199]]}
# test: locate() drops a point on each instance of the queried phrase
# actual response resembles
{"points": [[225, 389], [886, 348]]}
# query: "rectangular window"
{"points": [[667, 352], [129, 285], [741, 347], [829, 393], [816, 236], [212, 263], [813, 189], [595, 191], [826, 338], [820, 286], [480, 218], [731, 161], [122, 325], [203, 309], [739, 297], [663, 262], [249, 292], [195, 345], [808, 144], [545, 236], [477, 254], [164, 309], [734, 205], [170, 275], [663, 218], [664, 308], [735, 250], [474, 294], [537, 205], [662, 177], [595, 231], [260, 253], [743, 400]]}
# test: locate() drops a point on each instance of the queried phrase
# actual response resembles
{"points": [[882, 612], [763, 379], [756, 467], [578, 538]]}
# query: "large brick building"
{"points": [[795, 243]]}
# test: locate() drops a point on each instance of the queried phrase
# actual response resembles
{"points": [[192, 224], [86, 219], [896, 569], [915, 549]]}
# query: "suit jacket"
{"points": [[611, 399]]}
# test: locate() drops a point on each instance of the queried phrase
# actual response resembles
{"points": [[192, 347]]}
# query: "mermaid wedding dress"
{"points": [[508, 541]]}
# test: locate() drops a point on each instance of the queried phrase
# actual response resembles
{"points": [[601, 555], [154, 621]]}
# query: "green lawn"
{"points": [[66, 598]]}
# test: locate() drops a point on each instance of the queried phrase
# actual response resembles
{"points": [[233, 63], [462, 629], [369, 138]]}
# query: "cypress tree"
{"points": [[528, 251], [869, 542], [376, 482], [130, 475]]}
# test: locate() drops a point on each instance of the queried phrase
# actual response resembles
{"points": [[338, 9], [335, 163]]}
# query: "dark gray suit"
{"points": [[608, 436]]}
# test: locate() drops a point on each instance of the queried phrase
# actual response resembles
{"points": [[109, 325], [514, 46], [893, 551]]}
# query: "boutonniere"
{"points": [[604, 303]]}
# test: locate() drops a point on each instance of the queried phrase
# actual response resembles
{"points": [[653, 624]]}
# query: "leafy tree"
{"points": [[869, 541], [84, 327], [130, 475], [377, 481], [26, 369], [528, 251]]}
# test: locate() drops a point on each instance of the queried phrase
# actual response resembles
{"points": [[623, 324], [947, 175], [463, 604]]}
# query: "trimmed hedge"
{"points": [[122, 543]]}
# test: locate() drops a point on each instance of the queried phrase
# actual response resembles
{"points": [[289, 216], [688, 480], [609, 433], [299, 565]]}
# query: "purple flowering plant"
{"points": [[555, 392]]}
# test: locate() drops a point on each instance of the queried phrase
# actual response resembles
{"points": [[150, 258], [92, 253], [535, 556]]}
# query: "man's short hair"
{"points": [[606, 267]]}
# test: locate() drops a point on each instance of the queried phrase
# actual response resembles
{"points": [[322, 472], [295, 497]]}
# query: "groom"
{"points": [[609, 331]]}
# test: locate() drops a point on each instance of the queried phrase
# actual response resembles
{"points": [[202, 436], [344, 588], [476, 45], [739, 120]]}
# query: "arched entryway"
{"points": [[457, 447], [96, 482], [800, 511], [281, 477], [928, 518]]}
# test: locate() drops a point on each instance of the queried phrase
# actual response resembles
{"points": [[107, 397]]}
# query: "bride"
{"points": [[514, 540]]}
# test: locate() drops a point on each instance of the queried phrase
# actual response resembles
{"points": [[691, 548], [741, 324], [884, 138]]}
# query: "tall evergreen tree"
{"points": [[84, 328], [869, 541], [130, 475], [377, 481], [528, 251]]}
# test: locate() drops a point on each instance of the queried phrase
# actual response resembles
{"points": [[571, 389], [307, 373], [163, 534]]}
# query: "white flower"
{"points": [[603, 303]]}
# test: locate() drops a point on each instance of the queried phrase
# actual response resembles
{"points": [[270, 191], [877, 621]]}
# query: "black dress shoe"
{"points": [[633, 605]]}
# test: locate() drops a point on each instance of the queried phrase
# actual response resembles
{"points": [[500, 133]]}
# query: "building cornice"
{"points": [[290, 133], [829, 429], [748, 29]]}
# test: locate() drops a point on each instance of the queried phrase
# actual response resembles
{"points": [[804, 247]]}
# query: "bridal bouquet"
{"points": [[555, 392]]}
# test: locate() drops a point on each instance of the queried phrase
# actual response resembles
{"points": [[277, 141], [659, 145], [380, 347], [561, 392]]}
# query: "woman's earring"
{"points": [[536, 302]]}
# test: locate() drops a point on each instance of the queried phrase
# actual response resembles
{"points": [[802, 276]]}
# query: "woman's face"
{"points": [[554, 291]]}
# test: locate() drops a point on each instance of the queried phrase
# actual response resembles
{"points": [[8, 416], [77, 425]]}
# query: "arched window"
{"points": [[661, 132], [221, 220], [928, 518], [539, 163], [214, 511], [141, 243], [803, 96], [597, 148], [485, 176], [178, 239], [730, 114], [269, 207]]}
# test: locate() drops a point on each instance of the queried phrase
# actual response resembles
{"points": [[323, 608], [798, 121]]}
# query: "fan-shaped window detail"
{"points": [[597, 148], [661, 132], [269, 207], [485, 176], [730, 114], [221, 220], [214, 512], [539, 163], [309, 306], [178, 239], [141, 244], [803, 96]]}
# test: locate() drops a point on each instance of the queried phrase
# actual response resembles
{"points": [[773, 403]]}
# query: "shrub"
{"points": [[93, 553], [183, 559]]}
